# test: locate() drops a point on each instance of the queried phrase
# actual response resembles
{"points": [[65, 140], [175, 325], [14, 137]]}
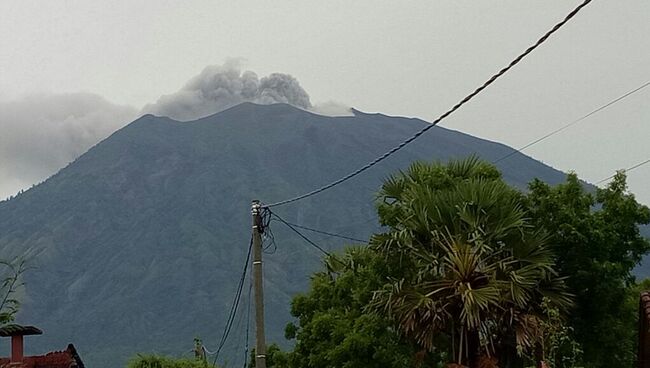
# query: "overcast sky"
{"points": [[71, 72]]}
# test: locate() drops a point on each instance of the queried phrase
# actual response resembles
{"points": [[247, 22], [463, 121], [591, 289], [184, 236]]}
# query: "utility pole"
{"points": [[260, 343]]}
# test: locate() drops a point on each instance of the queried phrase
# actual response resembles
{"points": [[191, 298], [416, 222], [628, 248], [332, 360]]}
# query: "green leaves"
{"points": [[597, 243], [157, 361], [470, 267], [477, 258], [335, 328], [8, 287]]}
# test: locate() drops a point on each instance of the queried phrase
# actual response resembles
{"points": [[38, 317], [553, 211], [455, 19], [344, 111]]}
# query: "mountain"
{"points": [[138, 245]]}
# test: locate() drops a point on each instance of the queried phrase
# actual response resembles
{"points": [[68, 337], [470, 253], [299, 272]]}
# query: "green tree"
{"points": [[158, 361], [597, 243], [334, 328], [481, 268], [275, 357], [9, 285], [556, 340]]}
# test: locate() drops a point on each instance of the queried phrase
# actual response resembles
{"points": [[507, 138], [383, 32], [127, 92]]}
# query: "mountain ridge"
{"points": [[138, 243]]}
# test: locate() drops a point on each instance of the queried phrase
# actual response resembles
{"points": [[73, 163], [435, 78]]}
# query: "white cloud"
{"points": [[42, 133]]}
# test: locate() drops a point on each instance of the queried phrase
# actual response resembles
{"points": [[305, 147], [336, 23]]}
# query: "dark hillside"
{"points": [[139, 243]]}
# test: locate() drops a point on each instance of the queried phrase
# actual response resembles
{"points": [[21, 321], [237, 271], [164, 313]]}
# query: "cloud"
{"points": [[42, 133], [219, 87], [332, 108]]}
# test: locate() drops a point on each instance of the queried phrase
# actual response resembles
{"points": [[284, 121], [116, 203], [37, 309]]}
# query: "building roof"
{"points": [[67, 358], [18, 330]]}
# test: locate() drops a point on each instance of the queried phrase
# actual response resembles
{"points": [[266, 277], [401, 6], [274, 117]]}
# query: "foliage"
{"points": [[275, 357], [597, 243], [158, 196], [470, 267], [158, 361], [335, 330], [558, 347], [8, 288], [480, 266]]}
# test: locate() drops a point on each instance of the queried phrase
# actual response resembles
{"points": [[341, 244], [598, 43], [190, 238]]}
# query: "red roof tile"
{"points": [[58, 359]]}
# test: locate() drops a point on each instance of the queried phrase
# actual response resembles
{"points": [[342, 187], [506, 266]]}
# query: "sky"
{"points": [[74, 71]]}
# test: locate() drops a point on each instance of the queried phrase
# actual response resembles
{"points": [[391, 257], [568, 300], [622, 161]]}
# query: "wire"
{"points": [[626, 170], [271, 247], [443, 116], [309, 241], [327, 233], [235, 305], [603, 107], [208, 352], [290, 226]]}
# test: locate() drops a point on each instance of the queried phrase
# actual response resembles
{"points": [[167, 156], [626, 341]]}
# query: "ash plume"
{"points": [[42, 133], [219, 87]]}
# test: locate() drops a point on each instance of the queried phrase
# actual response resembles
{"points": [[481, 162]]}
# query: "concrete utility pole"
{"points": [[260, 343]]}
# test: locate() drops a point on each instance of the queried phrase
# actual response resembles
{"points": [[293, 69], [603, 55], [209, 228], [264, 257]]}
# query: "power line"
{"points": [[237, 336], [234, 306], [290, 226], [269, 245], [309, 241], [603, 107], [327, 233], [626, 170], [443, 116]]}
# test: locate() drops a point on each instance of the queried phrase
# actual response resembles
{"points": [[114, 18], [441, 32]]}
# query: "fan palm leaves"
{"points": [[479, 267]]}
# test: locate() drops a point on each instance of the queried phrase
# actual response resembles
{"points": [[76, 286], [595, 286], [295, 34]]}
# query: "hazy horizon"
{"points": [[73, 72]]}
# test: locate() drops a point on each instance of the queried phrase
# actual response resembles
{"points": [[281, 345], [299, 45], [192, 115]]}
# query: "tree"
{"points": [[556, 340], [597, 243], [8, 287], [334, 328], [481, 269], [158, 361], [473, 269]]}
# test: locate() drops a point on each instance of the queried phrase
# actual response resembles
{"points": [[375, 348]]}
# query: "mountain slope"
{"points": [[138, 244]]}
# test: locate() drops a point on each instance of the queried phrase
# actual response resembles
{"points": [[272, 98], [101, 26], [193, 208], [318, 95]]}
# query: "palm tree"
{"points": [[479, 269]]}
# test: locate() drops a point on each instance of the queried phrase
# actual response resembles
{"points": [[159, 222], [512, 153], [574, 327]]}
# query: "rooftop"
{"points": [[67, 358], [18, 330]]}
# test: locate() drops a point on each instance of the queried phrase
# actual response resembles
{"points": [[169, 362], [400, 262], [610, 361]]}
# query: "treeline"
{"points": [[471, 272]]}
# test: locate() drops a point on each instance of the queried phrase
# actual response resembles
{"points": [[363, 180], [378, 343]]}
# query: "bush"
{"points": [[156, 361]]}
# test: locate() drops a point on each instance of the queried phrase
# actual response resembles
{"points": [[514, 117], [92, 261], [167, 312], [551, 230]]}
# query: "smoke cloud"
{"points": [[332, 108], [217, 88], [43, 133]]}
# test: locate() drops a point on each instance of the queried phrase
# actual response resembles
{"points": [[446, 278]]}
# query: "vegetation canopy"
{"points": [[472, 272], [480, 267]]}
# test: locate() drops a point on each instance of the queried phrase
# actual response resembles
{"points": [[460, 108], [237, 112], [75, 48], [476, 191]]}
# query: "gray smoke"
{"points": [[332, 108], [217, 88], [42, 133]]}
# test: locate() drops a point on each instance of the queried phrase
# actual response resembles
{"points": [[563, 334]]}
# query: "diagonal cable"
{"points": [[301, 234], [443, 116], [626, 170], [234, 306], [327, 233], [603, 107], [309, 241]]}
